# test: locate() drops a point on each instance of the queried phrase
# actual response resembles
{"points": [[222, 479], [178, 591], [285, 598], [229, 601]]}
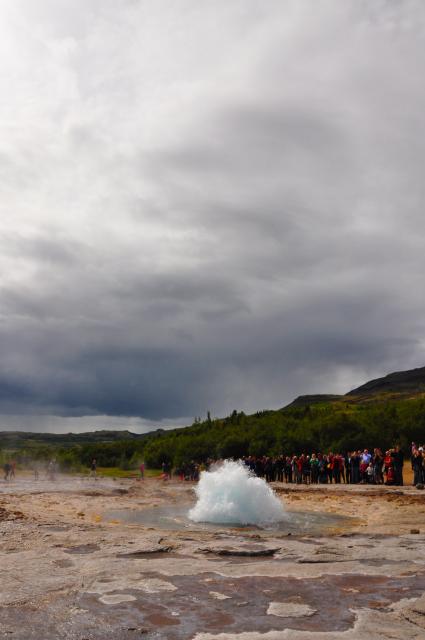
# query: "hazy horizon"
{"points": [[66, 424]]}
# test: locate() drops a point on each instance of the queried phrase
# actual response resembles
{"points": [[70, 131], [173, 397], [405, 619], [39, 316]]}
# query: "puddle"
{"points": [[175, 518]]}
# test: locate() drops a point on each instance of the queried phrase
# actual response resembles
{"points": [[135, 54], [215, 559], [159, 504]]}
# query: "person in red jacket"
{"points": [[389, 468]]}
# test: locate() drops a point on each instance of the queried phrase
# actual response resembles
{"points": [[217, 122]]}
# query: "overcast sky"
{"points": [[206, 205]]}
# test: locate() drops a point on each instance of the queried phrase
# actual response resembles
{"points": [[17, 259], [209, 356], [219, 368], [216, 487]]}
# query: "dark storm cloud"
{"points": [[206, 207]]}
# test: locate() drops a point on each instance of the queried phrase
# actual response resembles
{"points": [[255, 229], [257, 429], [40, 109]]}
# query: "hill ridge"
{"points": [[397, 381]]}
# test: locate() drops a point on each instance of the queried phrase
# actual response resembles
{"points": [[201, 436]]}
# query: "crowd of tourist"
{"points": [[50, 468], [188, 471], [9, 469], [353, 467]]}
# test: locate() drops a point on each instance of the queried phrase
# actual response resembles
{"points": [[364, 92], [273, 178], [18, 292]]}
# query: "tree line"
{"points": [[329, 426]]}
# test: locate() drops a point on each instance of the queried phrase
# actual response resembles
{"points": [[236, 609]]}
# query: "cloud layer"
{"points": [[207, 206]]}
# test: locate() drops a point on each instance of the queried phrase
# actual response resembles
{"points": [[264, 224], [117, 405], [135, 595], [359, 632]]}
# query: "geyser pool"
{"points": [[231, 494]]}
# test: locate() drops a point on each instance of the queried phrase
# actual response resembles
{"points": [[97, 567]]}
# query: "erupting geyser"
{"points": [[231, 494]]}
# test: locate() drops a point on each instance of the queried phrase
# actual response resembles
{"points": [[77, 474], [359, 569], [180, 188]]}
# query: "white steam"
{"points": [[231, 494]]}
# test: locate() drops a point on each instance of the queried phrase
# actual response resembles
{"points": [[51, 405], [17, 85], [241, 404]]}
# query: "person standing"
{"points": [[6, 469], [389, 467], [347, 467], [378, 461], [314, 466], [306, 470], [51, 469], [296, 470], [330, 466], [421, 451], [268, 469], [279, 465], [337, 468], [355, 467], [417, 463], [288, 470], [398, 460], [323, 471]]}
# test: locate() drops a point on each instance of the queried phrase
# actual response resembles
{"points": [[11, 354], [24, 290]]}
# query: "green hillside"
{"points": [[380, 413], [336, 425], [401, 383]]}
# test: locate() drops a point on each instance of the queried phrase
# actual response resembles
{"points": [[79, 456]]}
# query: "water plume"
{"points": [[231, 494]]}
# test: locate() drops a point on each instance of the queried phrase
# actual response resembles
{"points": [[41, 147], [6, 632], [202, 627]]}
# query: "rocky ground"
{"points": [[72, 569]]}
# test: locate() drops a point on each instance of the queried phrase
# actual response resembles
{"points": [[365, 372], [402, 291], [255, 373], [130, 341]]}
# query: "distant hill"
{"points": [[304, 401], [25, 438], [400, 382], [397, 385]]}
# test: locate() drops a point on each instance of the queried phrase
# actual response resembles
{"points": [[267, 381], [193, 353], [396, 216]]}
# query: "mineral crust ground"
{"points": [[69, 570]]}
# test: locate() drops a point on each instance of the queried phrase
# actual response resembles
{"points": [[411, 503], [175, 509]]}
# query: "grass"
{"points": [[116, 472]]}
